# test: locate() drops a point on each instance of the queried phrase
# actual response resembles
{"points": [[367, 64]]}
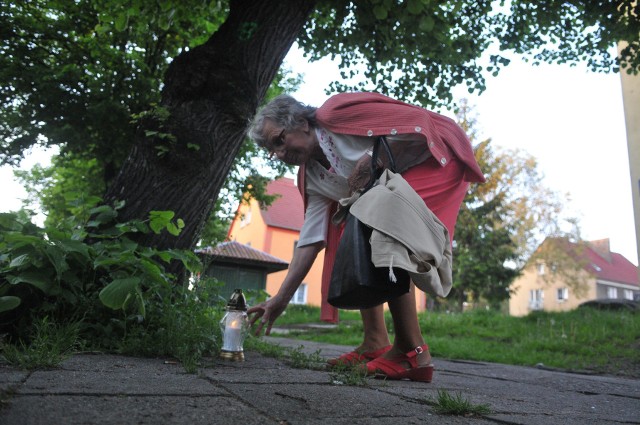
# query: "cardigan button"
{"points": [[418, 129], [431, 144], [443, 161], [394, 131], [370, 133]]}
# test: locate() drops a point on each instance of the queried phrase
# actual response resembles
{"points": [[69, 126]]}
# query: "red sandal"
{"points": [[353, 358], [395, 369]]}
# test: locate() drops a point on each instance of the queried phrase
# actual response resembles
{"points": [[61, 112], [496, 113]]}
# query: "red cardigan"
{"points": [[372, 115]]}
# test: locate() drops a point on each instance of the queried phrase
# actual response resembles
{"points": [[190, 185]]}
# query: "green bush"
{"points": [[92, 272]]}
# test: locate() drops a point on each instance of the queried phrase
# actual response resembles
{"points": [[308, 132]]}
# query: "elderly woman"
{"points": [[332, 145]]}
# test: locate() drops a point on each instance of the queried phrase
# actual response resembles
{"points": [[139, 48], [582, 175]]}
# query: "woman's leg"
{"points": [[375, 329], [406, 327], [443, 190], [375, 342]]}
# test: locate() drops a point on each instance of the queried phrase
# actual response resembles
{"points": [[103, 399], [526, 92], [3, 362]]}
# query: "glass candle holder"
{"points": [[234, 326]]}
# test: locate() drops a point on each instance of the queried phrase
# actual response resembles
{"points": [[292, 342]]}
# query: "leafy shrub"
{"points": [[92, 271]]}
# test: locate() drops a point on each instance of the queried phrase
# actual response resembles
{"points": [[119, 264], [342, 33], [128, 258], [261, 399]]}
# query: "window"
{"points": [[628, 294], [540, 268], [612, 292], [563, 294], [300, 297], [245, 218], [536, 299]]}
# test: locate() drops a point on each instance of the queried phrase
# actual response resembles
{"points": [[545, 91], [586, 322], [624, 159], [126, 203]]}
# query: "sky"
{"points": [[569, 119]]}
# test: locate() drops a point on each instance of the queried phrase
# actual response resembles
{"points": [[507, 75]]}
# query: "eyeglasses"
{"points": [[276, 144]]}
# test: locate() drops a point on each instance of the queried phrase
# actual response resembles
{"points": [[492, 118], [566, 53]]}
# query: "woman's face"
{"points": [[294, 147]]}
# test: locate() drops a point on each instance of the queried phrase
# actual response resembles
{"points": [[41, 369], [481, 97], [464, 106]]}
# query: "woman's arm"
{"points": [[270, 310], [361, 174]]}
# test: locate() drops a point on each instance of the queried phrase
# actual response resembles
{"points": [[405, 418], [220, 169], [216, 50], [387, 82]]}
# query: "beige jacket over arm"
{"points": [[406, 234]]}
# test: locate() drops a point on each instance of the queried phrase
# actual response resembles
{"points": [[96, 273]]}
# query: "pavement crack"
{"points": [[632, 397], [495, 378], [113, 394], [304, 400]]}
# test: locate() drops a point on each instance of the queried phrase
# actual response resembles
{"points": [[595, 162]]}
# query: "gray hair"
{"points": [[285, 111]]}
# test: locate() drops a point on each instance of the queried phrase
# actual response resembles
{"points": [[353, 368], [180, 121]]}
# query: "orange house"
{"points": [[275, 230]]}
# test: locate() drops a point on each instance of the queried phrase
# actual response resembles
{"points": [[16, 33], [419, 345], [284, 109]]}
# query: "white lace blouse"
{"points": [[343, 152]]}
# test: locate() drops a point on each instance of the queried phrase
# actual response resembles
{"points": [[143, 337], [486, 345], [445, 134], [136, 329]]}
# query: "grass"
{"points": [[49, 345], [342, 375], [585, 340], [300, 314], [447, 404], [300, 360], [348, 375]]}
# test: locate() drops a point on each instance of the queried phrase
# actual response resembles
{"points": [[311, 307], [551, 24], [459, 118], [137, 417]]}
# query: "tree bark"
{"points": [[211, 92]]}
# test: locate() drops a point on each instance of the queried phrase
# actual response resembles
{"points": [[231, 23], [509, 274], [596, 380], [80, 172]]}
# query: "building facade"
{"points": [[596, 274]]}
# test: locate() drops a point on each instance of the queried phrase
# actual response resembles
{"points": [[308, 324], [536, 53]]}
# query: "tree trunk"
{"points": [[179, 162]]}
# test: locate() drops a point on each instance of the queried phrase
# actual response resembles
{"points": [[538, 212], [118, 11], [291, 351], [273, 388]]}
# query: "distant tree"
{"points": [[484, 251], [502, 221], [63, 188], [533, 211], [61, 59]]}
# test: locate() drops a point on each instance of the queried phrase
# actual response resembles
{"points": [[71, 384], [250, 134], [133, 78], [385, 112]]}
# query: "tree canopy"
{"points": [[76, 71], [161, 92], [419, 49]]}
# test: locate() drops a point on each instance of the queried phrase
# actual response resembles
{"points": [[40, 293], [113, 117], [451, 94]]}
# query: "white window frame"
{"points": [[563, 294], [536, 299], [628, 294], [540, 269], [612, 292], [300, 296]]}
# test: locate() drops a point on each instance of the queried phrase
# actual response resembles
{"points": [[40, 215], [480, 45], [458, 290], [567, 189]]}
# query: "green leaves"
{"points": [[111, 270], [426, 24], [40, 279], [159, 220], [8, 303], [418, 50], [414, 7], [120, 292], [380, 12]]}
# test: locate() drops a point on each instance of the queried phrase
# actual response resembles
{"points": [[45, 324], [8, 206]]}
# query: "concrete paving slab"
{"points": [[119, 390], [519, 395], [139, 410], [9, 378], [112, 383], [327, 402], [278, 375]]}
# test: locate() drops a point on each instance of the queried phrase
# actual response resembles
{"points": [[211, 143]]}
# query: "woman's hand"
{"points": [[270, 310], [361, 174], [267, 312]]}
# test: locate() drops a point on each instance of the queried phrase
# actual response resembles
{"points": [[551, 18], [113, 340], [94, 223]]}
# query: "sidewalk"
{"points": [[109, 389]]}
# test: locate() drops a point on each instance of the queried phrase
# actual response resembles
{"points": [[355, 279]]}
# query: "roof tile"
{"points": [[236, 250], [287, 211]]}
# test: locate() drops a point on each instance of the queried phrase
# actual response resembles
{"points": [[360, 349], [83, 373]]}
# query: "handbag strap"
{"points": [[375, 172], [382, 140]]}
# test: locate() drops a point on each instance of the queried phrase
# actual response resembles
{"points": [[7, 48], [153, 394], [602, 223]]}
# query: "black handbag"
{"points": [[355, 282]]}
